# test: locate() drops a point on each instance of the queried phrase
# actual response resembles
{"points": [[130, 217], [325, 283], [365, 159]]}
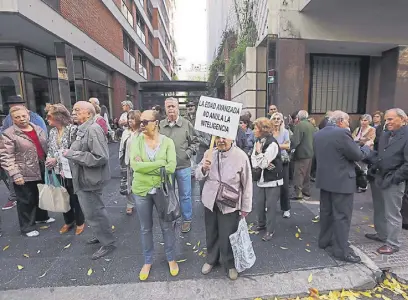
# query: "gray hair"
{"points": [[128, 103], [400, 113], [338, 116], [367, 117], [172, 99], [94, 100], [302, 115], [282, 126]]}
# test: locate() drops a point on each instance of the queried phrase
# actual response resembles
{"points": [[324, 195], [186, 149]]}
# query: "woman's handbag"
{"points": [[52, 196], [361, 177], [226, 194], [285, 157], [166, 201]]}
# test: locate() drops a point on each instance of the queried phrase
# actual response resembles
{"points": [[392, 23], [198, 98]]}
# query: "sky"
{"points": [[190, 30]]}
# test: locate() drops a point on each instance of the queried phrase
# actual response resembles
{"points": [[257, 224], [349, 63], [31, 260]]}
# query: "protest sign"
{"points": [[66, 169], [218, 117]]}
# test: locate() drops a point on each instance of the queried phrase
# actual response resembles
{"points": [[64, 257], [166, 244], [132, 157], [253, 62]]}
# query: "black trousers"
{"points": [[75, 214], [27, 206], [335, 219], [218, 228], [313, 170], [284, 195]]}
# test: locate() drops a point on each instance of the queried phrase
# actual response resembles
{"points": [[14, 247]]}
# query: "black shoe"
{"points": [[103, 251], [351, 258], [374, 237], [405, 226], [93, 241]]}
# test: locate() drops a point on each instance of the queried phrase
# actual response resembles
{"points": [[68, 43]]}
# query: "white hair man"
{"points": [[181, 131], [390, 168], [336, 153], [126, 107], [89, 162], [302, 143]]}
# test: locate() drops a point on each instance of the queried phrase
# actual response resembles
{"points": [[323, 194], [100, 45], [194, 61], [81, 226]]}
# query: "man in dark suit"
{"points": [[390, 168], [336, 153]]}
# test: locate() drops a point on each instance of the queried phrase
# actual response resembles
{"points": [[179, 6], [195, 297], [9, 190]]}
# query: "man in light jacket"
{"points": [[89, 162], [182, 132]]}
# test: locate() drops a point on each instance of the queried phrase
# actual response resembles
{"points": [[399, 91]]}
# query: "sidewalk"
{"points": [[55, 263]]}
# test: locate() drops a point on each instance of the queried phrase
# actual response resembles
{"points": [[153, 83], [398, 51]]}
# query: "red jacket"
{"points": [[102, 122]]}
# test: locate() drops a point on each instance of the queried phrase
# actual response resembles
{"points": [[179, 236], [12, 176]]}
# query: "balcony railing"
{"points": [[141, 34], [164, 13], [128, 15], [129, 59]]}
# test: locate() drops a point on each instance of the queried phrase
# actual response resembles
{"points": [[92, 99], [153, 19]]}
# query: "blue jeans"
{"points": [[144, 209], [183, 178]]}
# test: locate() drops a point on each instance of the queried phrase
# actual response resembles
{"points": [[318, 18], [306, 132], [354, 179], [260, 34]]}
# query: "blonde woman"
{"points": [[282, 137], [365, 134]]}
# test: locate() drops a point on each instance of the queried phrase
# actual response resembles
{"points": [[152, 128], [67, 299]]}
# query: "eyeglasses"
{"points": [[146, 122]]}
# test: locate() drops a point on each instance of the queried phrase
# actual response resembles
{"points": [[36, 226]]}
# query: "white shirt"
{"points": [[262, 160], [123, 117]]}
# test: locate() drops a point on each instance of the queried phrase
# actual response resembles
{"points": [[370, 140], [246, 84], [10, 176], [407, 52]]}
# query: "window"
{"points": [[9, 86], [151, 71], [163, 11], [129, 51], [127, 12], [338, 83], [99, 91], [142, 65], [130, 91], [140, 28], [8, 59], [96, 74], [150, 42], [150, 10], [38, 94], [35, 63]]}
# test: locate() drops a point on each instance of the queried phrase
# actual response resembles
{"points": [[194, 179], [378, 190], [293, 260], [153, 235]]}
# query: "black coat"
{"points": [[390, 161], [336, 153]]}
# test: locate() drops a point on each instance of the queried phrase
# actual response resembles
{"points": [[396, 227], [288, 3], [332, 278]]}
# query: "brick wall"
{"points": [[93, 18], [119, 93]]}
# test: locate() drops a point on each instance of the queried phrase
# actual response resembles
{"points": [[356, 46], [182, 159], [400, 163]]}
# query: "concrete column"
{"points": [[119, 93], [290, 62], [394, 79], [66, 74]]}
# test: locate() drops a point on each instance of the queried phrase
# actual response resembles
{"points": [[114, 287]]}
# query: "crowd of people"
{"points": [[253, 171]]}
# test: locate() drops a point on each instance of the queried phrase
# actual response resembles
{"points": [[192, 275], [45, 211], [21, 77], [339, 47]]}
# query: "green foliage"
{"points": [[175, 77], [218, 65], [236, 60]]}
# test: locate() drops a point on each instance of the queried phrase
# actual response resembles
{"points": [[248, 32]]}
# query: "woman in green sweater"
{"points": [[149, 152]]}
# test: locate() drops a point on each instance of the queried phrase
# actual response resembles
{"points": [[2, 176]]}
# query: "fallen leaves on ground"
{"points": [[26, 255], [316, 219], [44, 227], [6, 247], [90, 271], [43, 275], [20, 267], [67, 246], [390, 286], [181, 260]]}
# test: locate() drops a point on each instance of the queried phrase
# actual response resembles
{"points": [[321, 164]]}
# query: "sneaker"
{"points": [[286, 214], [50, 220], [232, 274], [33, 233], [207, 268], [9, 205]]}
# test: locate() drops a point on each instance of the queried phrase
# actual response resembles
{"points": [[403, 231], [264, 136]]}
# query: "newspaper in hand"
{"points": [[66, 170]]}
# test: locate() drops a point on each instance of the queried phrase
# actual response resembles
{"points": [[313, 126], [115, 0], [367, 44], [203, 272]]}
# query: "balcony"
{"points": [[141, 34], [128, 15], [129, 59], [142, 71]]}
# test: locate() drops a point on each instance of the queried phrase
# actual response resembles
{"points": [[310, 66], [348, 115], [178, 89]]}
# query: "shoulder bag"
{"points": [[226, 194], [165, 199]]}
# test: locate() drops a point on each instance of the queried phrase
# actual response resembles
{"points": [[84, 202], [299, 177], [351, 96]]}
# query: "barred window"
{"points": [[338, 83]]}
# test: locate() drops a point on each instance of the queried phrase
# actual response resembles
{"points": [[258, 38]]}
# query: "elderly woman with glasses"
{"points": [[267, 169], [281, 134], [150, 152], [22, 155], [61, 136]]}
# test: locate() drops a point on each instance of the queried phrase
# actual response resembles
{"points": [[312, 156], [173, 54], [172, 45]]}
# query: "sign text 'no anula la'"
{"points": [[218, 117]]}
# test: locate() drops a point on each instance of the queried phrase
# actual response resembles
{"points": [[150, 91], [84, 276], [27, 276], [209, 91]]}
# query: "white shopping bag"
{"points": [[52, 196], [244, 255]]}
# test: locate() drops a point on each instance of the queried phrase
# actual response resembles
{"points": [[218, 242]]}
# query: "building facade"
{"points": [[322, 55], [70, 50], [187, 70]]}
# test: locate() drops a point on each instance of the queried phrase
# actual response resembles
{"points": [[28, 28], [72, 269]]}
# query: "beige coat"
{"points": [[18, 155], [367, 136], [235, 171]]}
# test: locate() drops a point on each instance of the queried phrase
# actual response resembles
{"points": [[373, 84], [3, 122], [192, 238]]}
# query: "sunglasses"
{"points": [[146, 122]]}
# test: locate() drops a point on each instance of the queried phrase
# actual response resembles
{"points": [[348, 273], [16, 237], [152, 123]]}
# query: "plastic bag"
{"points": [[244, 255], [52, 196]]}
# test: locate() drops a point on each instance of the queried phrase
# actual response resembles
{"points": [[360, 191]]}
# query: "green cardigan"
{"points": [[146, 175]]}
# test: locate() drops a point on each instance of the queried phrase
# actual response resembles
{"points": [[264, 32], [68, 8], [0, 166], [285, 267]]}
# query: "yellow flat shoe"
{"points": [[174, 270], [143, 275]]}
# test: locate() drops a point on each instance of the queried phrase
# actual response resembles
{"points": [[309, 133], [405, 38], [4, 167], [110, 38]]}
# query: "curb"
{"points": [[356, 276]]}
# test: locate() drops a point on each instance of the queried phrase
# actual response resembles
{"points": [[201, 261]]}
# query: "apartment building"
{"points": [[320, 55], [70, 50]]}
